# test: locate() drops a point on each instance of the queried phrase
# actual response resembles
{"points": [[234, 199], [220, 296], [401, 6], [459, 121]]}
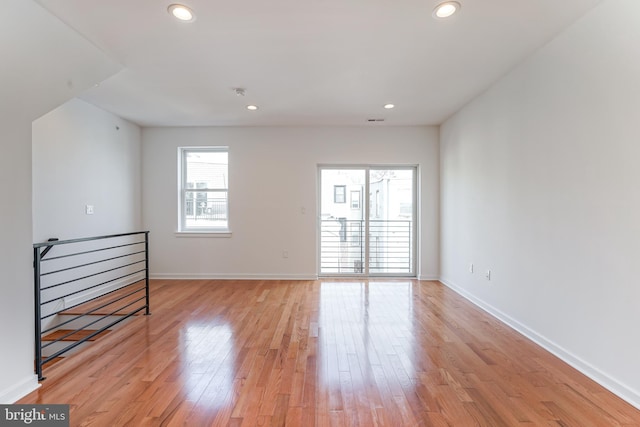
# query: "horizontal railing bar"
{"points": [[361, 221], [399, 264], [388, 234], [378, 226], [384, 273], [93, 250], [91, 263], [390, 264], [96, 297], [91, 275], [91, 323], [338, 249], [87, 288], [79, 316], [87, 239], [389, 255], [88, 337]]}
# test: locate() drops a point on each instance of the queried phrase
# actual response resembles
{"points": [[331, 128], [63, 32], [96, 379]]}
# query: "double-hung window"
{"points": [[204, 189]]}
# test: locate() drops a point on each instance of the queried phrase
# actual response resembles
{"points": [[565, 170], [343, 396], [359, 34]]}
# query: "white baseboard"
{"points": [[18, 391], [188, 276], [616, 387], [428, 277], [179, 276]]}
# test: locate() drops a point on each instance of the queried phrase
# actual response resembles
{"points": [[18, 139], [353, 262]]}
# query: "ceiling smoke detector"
{"points": [[239, 91]]}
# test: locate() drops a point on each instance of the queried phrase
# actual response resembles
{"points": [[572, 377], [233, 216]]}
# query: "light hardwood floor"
{"points": [[332, 352]]}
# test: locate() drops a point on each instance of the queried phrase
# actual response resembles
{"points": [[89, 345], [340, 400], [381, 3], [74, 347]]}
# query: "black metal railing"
{"points": [[343, 246], [89, 284]]}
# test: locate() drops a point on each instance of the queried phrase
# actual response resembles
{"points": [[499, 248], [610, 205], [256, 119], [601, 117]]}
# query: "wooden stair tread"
{"points": [[77, 336], [91, 305], [49, 362], [54, 360]]}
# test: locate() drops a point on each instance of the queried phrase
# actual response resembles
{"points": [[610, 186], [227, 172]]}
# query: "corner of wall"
{"points": [[18, 391]]}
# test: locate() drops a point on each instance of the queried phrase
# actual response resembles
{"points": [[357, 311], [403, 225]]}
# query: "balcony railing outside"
{"points": [[206, 209], [342, 247], [206, 212]]}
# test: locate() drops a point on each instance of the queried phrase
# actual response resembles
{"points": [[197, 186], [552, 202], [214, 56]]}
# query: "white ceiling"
{"points": [[307, 62]]}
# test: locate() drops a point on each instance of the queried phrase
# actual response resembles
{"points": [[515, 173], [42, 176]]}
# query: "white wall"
{"points": [[272, 175], [83, 155], [44, 63], [540, 183]]}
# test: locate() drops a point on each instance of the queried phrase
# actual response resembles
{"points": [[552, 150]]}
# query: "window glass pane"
{"points": [[391, 222], [339, 193], [204, 188], [206, 209], [341, 223], [207, 169]]}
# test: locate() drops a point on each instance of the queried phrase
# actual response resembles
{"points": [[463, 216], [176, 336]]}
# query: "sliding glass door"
{"points": [[367, 221]]}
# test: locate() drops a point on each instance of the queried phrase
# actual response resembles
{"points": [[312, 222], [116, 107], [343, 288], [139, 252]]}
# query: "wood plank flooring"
{"points": [[321, 353]]}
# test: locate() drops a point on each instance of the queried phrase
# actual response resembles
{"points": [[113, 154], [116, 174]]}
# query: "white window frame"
{"points": [[199, 231]]}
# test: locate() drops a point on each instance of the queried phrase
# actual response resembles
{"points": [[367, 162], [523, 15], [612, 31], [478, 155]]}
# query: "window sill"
{"points": [[207, 233]]}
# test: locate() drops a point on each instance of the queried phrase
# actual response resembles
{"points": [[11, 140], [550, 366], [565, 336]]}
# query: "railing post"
{"points": [[37, 312], [146, 270]]}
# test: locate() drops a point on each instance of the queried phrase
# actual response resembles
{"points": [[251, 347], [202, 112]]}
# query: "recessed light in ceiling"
{"points": [[252, 107], [181, 12], [446, 9], [389, 106]]}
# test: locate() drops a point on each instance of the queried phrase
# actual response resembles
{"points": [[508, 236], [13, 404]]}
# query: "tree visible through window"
{"points": [[204, 189]]}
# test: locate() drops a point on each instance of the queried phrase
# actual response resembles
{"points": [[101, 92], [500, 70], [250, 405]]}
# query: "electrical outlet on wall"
{"points": [[88, 209], [488, 275]]}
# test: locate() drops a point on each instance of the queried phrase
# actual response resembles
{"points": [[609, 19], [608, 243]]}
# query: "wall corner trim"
{"points": [[616, 387]]}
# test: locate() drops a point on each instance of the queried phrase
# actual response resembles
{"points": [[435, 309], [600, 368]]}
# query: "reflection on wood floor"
{"points": [[304, 353]]}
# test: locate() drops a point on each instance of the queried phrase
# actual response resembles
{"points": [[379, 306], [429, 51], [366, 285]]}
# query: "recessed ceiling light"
{"points": [[446, 9], [181, 12], [252, 107], [389, 106]]}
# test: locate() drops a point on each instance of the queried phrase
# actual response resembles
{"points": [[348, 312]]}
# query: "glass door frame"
{"points": [[365, 201]]}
